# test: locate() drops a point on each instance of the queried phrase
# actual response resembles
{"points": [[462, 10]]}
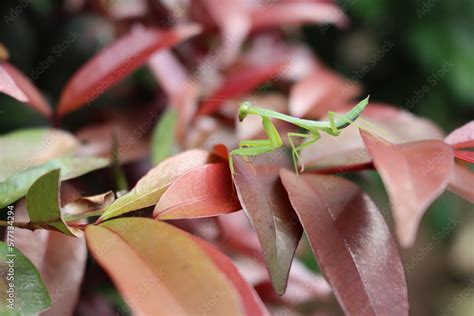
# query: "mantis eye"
{"points": [[244, 111]]}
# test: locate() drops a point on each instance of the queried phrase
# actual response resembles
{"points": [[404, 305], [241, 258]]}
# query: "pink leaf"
{"points": [[304, 286], [459, 137], [414, 174], [250, 300], [351, 242], [234, 24], [264, 201], [462, 183], [181, 91], [18, 86], [169, 71], [279, 14], [202, 192], [320, 92], [298, 60], [117, 61], [239, 84], [238, 235]]}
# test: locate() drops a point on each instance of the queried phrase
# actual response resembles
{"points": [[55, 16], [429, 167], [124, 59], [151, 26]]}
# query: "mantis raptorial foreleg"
{"points": [[258, 146], [296, 149]]}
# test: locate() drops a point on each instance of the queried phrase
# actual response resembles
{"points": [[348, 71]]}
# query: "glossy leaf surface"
{"points": [[414, 174], [202, 192], [266, 204], [351, 242]]}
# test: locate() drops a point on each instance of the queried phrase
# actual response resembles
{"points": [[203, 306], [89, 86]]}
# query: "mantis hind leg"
{"points": [[296, 149]]}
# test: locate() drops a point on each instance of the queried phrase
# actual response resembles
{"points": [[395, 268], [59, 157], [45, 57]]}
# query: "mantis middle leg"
{"points": [[314, 135]]}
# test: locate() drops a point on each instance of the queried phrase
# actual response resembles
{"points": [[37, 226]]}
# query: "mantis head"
{"points": [[244, 110]]}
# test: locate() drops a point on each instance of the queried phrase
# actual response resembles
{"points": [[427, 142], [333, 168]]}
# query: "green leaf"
{"points": [[16, 186], [164, 135], [27, 148], [42, 203], [149, 189], [30, 294]]}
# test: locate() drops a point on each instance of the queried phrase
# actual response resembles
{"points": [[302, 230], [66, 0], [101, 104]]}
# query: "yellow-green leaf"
{"points": [[27, 148], [16, 186], [149, 189]]}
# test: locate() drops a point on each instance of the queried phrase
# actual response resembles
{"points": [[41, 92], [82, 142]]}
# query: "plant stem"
{"points": [[29, 226], [70, 218]]}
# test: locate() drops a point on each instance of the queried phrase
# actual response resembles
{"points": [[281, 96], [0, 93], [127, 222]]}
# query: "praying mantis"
{"points": [[332, 126]]}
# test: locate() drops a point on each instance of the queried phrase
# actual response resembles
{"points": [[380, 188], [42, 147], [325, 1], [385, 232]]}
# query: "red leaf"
{"points": [[466, 144], [352, 243], [234, 24], [266, 50], [414, 174], [202, 192], [169, 71], [462, 183], [117, 61], [462, 137], [320, 92], [304, 286], [250, 300], [239, 84], [464, 155], [18, 86], [279, 14], [265, 203]]}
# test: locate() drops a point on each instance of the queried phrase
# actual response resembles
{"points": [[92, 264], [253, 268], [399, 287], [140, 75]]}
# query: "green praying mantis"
{"points": [[333, 126]]}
